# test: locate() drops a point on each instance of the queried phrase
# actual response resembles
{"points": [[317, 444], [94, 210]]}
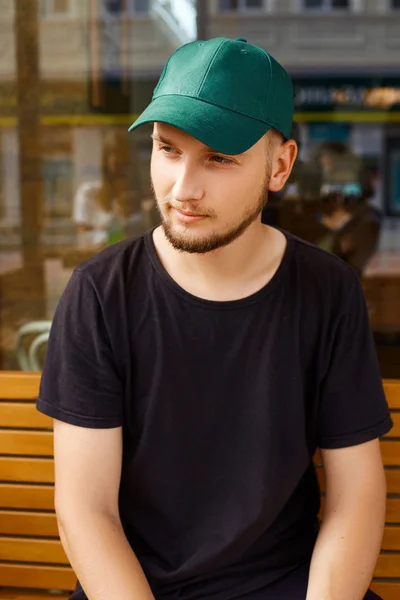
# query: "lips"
{"points": [[188, 217], [188, 214]]}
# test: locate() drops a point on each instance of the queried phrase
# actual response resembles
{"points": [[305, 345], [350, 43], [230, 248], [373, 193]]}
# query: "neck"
{"points": [[237, 270]]}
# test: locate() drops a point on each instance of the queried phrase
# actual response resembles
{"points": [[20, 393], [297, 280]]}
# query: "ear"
{"points": [[283, 160]]}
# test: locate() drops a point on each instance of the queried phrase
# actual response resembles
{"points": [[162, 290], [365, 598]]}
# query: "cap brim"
{"points": [[221, 129]]}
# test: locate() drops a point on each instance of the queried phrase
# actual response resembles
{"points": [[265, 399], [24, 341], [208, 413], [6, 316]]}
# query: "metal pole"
{"points": [[29, 131], [95, 67], [202, 8]]}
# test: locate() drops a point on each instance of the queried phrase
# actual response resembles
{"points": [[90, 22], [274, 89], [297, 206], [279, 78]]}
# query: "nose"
{"points": [[188, 185]]}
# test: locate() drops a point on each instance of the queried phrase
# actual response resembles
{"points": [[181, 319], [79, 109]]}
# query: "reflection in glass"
{"points": [[72, 180]]}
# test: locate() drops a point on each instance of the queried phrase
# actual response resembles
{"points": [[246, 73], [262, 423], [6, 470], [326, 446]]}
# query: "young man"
{"points": [[193, 372]]}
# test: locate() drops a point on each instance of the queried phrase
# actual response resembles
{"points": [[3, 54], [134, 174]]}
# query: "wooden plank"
{"points": [[18, 385], [32, 470], [17, 414], [390, 453], [37, 577], [393, 510], [386, 590], [9, 595], [37, 497], [32, 551], [392, 393], [395, 431], [36, 443], [28, 524], [391, 539], [388, 565], [392, 480]]}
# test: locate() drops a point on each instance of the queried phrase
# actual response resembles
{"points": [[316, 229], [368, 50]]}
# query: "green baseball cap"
{"points": [[226, 93]]}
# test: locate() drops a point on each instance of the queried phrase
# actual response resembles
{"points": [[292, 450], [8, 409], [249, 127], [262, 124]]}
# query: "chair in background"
{"points": [[30, 342]]}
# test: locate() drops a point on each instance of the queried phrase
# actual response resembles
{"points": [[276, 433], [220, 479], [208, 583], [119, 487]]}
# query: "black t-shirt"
{"points": [[222, 405]]}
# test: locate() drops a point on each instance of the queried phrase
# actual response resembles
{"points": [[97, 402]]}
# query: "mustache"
{"points": [[188, 207]]}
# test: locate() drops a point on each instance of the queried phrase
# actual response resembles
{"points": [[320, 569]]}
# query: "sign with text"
{"points": [[352, 93]]}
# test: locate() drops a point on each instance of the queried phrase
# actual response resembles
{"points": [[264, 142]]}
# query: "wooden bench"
{"points": [[32, 560], [31, 556]]}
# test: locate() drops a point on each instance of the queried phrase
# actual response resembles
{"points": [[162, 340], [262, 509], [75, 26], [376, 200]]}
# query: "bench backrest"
{"points": [[31, 555]]}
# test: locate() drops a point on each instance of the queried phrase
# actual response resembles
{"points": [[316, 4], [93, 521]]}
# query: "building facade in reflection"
{"points": [[87, 182]]}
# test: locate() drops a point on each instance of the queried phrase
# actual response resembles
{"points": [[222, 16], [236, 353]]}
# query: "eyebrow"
{"points": [[163, 140]]}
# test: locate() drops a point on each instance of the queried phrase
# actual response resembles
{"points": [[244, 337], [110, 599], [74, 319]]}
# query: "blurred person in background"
{"points": [[351, 225], [352, 228], [101, 207]]}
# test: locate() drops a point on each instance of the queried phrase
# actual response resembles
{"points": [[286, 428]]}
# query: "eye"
{"points": [[221, 160], [168, 150]]}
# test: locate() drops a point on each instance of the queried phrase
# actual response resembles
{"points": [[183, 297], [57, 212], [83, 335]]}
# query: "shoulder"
{"points": [[115, 266], [322, 274]]}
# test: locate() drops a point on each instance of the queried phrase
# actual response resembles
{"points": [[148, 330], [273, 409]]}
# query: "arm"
{"points": [[351, 534], [87, 468]]}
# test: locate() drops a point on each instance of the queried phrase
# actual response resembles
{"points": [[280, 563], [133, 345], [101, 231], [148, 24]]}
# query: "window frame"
{"points": [[266, 6], [48, 13], [130, 11], [327, 8]]}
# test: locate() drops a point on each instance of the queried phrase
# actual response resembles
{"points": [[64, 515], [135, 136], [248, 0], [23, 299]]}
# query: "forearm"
{"points": [[102, 558], [345, 554]]}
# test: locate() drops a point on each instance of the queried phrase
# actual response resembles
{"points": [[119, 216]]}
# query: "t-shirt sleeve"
{"points": [[80, 382], [353, 407]]}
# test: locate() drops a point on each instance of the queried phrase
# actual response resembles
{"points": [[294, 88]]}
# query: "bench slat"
{"points": [[395, 431], [32, 551], [17, 414], [9, 595], [36, 443], [388, 565], [37, 577], [28, 524], [392, 393], [390, 453], [32, 470], [16, 385], [38, 497], [391, 539], [12, 595], [387, 591], [393, 510]]}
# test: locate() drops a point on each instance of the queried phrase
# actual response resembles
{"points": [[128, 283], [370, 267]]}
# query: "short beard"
{"points": [[214, 240]]}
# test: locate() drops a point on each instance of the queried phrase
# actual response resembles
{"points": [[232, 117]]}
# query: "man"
{"points": [[350, 230], [192, 373]]}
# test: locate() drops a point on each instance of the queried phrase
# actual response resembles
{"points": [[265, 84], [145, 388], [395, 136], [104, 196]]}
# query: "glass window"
{"points": [[61, 6], [56, 7], [72, 179], [240, 4], [73, 182], [116, 7], [327, 4]]}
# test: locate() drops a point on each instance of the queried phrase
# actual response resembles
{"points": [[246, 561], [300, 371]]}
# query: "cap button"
{"points": [[240, 40]]}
